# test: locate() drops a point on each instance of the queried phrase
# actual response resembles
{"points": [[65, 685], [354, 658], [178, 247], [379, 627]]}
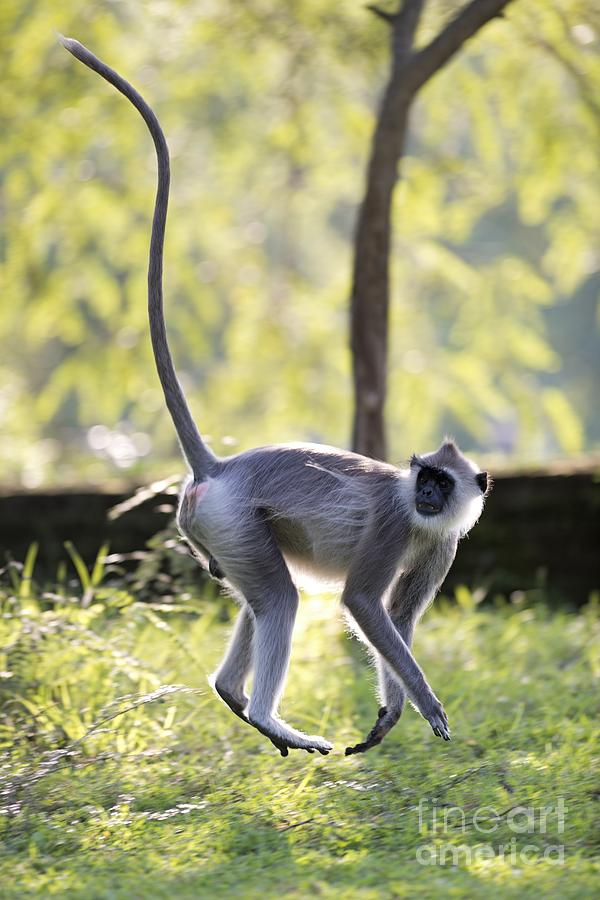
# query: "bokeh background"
{"points": [[269, 109]]}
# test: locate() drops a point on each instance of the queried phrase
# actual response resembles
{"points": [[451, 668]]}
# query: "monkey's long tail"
{"points": [[197, 454]]}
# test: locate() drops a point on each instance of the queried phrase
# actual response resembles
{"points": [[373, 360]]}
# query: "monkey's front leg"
{"points": [[377, 626], [411, 594]]}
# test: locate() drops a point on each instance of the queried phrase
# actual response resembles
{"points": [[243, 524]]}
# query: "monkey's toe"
{"points": [[286, 738], [285, 750]]}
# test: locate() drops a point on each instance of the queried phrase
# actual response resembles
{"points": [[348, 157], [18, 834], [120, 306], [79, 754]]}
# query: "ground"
{"points": [[117, 782]]}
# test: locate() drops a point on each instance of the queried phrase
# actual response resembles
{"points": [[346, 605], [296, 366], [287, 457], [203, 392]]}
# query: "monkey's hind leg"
{"points": [[262, 576], [230, 678]]}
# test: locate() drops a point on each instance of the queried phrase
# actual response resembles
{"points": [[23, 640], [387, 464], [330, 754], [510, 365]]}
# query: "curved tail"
{"points": [[199, 457]]}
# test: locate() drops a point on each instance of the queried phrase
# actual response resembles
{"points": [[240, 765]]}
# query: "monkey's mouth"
{"points": [[428, 509]]}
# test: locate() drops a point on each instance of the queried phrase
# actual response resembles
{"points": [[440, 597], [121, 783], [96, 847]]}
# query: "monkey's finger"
{"points": [[440, 730], [374, 738], [385, 722], [362, 748], [358, 748]]}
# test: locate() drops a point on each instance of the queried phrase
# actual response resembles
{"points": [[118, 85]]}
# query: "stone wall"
{"points": [[538, 530]]}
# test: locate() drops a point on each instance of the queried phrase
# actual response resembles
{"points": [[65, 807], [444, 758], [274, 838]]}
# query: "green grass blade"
{"points": [[80, 566], [27, 573], [98, 570]]}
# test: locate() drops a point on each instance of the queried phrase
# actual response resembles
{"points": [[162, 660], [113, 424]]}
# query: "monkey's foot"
{"points": [[286, 738], [386, 719], [237, 705]]}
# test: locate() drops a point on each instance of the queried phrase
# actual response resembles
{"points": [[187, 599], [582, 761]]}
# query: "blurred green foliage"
{"points": [[268, 109]]}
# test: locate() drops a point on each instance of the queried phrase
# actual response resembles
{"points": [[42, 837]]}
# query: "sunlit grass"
{"points": [[163, 792]]}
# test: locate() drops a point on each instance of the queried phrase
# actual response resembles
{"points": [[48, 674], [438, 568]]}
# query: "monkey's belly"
{"points": [[323, 552]]}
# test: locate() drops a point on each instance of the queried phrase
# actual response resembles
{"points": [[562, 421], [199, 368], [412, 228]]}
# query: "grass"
{"points": [[122, 776]]}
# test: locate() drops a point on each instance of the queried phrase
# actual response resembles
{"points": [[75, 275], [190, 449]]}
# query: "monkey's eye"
{"points": [[445, 483]]}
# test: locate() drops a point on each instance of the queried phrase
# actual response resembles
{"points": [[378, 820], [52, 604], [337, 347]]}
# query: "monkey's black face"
{"points": [[434, 487]]}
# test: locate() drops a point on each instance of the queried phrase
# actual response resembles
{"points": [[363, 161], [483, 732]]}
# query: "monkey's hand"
{"points": [[434, 712], [386, 719]]}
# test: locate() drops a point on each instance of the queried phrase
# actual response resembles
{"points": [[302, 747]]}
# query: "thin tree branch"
{"points": [[436, 54], [404, 23], [388, 17]]}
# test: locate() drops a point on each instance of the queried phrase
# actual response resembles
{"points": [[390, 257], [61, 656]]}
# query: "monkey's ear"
{"points": [[482, 481]]}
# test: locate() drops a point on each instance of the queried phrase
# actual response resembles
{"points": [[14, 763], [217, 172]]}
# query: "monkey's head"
{"points": [[449, 489]]}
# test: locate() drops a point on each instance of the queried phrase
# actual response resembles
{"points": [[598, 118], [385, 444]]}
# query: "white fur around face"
{"points": [[462, 511]]}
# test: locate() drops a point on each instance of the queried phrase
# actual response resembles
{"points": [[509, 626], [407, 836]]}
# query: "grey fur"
{"points": [[258, 517]]}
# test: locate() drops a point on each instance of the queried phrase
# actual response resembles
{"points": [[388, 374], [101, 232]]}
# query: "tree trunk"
{"points": [[410, 70], [370, 289]]}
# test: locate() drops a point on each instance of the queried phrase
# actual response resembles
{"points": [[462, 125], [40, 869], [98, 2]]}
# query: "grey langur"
{"points": [[390, 534]]}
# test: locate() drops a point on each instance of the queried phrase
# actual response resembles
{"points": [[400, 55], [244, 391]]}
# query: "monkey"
{"points": [[215, 569], [260, 518]]}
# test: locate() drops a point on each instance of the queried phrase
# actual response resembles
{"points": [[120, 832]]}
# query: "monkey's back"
{"points": [[317, 499]]}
